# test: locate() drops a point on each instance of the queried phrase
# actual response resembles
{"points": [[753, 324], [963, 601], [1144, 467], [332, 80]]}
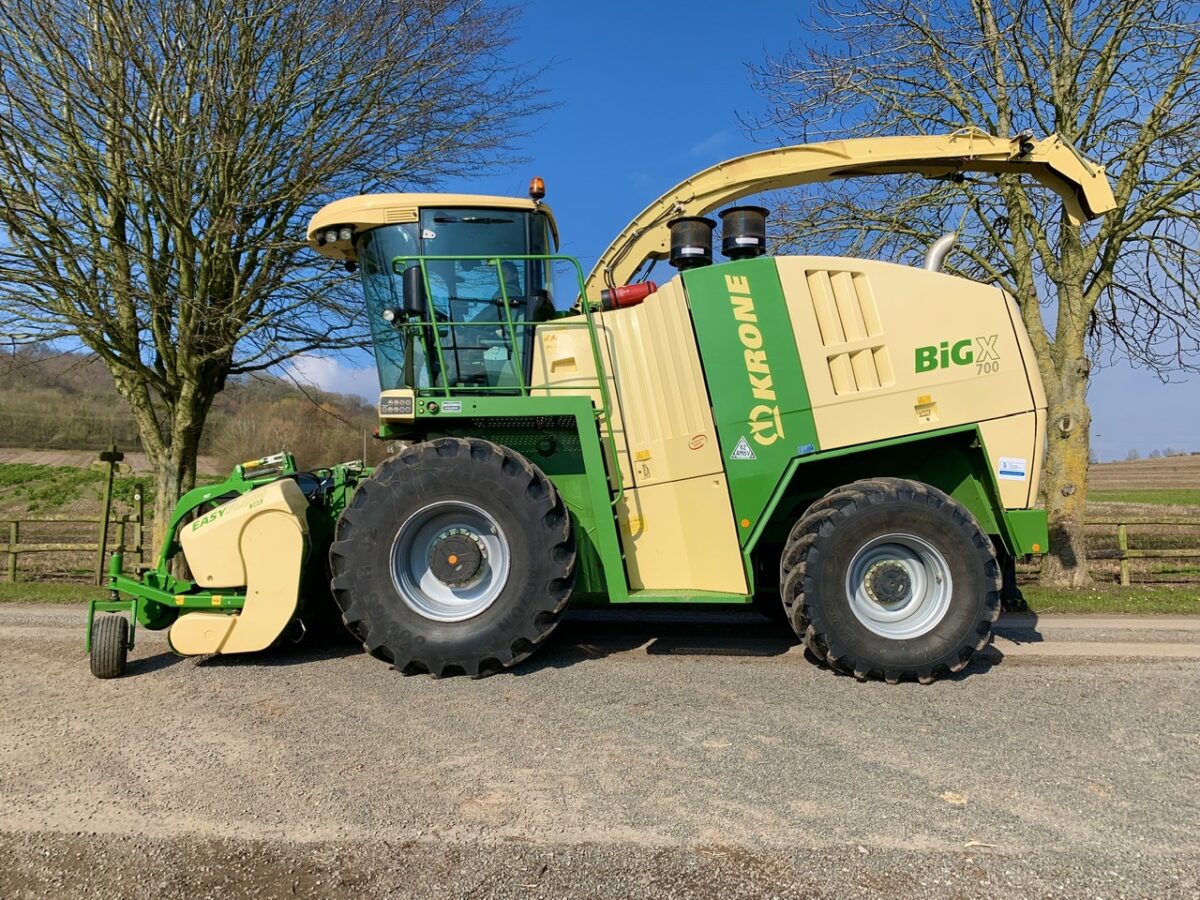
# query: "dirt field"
{"points": [[137, 462], [661, 761], [1172, 472]]}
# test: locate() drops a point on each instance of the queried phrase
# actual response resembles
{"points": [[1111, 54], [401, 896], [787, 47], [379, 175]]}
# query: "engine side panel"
{"points": [[891, 350]]}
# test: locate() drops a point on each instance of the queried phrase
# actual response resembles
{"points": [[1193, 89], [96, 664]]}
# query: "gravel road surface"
{"points": [[670, 757]]}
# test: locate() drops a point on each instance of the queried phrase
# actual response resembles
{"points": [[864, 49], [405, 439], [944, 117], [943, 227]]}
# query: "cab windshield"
{"points": [[470, 299]]}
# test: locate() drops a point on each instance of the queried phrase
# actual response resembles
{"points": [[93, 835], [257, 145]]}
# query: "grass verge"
{"points": [[1137, 599], [1168, 497], [47, 592]]}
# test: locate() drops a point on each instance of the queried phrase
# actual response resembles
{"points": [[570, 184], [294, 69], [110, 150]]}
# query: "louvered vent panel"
{"points": [[400, 214], [851, 331]]}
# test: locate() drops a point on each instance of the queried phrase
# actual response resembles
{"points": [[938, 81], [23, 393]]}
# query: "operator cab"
{"points": [[477, 275]]}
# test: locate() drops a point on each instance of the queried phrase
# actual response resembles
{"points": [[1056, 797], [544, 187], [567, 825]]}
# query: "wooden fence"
{"points": [[128, 536], [126, 533], [1184, 527]]}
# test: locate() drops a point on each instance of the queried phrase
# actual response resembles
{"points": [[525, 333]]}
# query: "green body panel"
{"points": [[755, 380], [561, 436], [952, 459], [1029, 530]]}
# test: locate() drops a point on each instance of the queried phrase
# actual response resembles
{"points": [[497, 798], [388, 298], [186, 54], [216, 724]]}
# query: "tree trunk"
{"points": [[173, 458], [168, 485], [1065, 481]]}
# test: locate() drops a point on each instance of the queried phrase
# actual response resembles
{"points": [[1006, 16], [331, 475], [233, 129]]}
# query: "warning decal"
{"points": [[1012, 468], [742, 450]]}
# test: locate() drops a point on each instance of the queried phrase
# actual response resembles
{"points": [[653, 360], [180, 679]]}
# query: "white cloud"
{"points": [[710, 145], [334, 375]]}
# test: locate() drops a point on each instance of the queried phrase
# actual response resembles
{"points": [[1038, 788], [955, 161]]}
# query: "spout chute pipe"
{"points": [[938, 250]]}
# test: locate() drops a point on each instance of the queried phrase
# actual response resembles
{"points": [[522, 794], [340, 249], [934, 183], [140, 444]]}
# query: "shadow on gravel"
{"points": [[1020, 628], [333, 647], [594, 634], [150, 664], [1017, 628]]}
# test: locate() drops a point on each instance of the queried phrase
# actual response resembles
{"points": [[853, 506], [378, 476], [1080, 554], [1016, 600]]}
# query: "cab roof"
{"points": [[368, 211]]}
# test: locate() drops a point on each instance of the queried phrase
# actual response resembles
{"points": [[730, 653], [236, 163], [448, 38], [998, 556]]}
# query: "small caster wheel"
{"points": [[110, 646]]}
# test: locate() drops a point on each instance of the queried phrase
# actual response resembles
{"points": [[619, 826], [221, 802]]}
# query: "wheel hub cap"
{"points": [[887, 582], [899, 586], [450, 561], [457, 556]]}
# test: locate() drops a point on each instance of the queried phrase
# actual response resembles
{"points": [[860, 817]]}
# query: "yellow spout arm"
{"points": [[1083, 186]]}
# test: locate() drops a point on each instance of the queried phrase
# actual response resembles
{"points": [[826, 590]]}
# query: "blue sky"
{"points": [[650, 93]]}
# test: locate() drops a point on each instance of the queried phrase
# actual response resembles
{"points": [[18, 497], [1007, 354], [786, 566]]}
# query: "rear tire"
{"points": [[455, 557], [892, 579], [110, 646]]}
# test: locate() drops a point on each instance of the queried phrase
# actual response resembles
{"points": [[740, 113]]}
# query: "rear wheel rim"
{"points": [[449, 523], [899, 586]]}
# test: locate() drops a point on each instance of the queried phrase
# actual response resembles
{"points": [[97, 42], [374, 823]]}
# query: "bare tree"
{"points": [[1120, 81], [159, 160]]}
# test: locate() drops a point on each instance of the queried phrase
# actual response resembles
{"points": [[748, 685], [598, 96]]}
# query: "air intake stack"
{"points": [[691, 242], [744, 232]]}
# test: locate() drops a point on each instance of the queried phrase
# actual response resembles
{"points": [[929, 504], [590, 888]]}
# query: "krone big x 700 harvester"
{"points": [[853, 443]]}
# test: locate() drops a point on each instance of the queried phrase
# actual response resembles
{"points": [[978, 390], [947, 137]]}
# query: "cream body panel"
{"points": [[669, 430], [1013, 446], [272, 545], [1038, 389], [681, 536], [212, 543], [257, 541], [563, 365], [200, 633], [1039, 457], [662, 418], [667, 448], [857, 325]]}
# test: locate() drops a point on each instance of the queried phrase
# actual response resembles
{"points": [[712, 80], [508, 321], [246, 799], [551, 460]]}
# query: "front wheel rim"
{"points": [[899, 586], [437, 525]]}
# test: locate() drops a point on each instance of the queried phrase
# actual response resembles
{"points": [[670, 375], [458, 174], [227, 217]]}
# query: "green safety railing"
{"points": [[428, 325]]}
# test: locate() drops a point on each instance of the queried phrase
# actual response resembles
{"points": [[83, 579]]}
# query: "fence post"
{"points": [[1123, 544], [121, 534], [139, 520], [14, 533], [111, 456]]}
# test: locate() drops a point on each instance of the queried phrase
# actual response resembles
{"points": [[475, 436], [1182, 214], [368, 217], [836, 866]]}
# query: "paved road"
{"points": [[664, 758]]}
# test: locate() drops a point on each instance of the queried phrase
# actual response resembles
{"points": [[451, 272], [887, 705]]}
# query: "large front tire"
{"points": [[892, 579], [455, 557]]}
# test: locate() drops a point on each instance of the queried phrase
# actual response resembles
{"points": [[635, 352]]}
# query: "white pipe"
{"points": [[938, 250]]}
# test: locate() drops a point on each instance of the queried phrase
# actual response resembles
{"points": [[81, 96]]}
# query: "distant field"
{"points": [[136, 463], [1172, 473]]}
